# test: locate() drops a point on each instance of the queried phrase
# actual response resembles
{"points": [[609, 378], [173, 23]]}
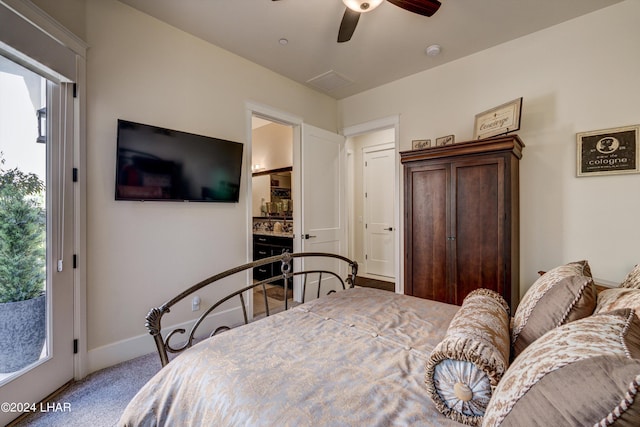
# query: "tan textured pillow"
{"points": [[467, 364], [633, 279], [584, 373], [617, 298], [561, 295]]}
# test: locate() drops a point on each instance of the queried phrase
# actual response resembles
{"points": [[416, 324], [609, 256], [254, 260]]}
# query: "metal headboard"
{"points": [[154, 317]]}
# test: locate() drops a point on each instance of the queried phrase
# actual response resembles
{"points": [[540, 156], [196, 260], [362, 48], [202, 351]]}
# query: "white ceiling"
{"points": [[389, 43]]}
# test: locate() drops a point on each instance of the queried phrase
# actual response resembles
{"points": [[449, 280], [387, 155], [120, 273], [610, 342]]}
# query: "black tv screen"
{"points": [[155, 163]]}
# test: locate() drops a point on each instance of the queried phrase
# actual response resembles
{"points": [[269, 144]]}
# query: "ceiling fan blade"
{"points": [[421, 7], [348, 25]]}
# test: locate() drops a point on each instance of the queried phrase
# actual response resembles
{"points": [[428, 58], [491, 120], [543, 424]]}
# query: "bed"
{"points": [[368, 357]]}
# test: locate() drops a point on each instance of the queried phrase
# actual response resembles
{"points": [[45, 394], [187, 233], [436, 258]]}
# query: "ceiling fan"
{"points": [[356, 7]]}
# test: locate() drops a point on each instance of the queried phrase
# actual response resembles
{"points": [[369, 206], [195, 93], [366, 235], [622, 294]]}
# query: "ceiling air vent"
{"points": [[329, 81]]}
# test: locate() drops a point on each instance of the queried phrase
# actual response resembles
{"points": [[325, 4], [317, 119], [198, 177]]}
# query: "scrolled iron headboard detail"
{"points": [[286, 267], [287, 273], [153, 320]]}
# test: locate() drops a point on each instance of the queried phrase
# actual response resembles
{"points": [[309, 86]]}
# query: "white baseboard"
{"points": [[130, 348], [605, 283]]}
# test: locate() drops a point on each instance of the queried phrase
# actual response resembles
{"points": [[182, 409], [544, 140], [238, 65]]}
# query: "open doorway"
{"points": [[272, 204], [372, 207], [318, 220]]}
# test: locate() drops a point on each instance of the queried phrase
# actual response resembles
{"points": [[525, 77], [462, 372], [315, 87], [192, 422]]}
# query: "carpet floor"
{"points": [[100, 398]]}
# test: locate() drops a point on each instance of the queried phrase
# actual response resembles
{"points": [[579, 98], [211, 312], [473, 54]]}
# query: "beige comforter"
{"points": [[354, 358]]}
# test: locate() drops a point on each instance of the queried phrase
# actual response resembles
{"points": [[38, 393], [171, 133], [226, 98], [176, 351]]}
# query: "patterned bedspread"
{"points": [[354, 358]]}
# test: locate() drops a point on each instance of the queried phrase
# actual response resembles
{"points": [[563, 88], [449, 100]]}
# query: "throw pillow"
{"points": [[469, 362], [617, 298], [561, 295], [633, 279], [584, 373]]}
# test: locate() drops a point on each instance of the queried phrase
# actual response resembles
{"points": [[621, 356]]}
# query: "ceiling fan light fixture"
{"points": [[362, 5]]}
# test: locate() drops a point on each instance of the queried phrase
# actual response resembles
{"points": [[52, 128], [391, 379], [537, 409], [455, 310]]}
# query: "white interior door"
{"points": [[34, 113], [378, 210], [322, 220]]}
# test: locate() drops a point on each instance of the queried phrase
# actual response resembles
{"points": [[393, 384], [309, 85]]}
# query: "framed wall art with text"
{"points": [[608, 151], [499, 120]]}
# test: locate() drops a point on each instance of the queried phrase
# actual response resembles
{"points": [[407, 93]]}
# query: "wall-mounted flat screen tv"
{"points": [[155, 163]]}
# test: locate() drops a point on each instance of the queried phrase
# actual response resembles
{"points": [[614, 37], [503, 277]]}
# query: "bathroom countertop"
{"points": [[272, 234]]}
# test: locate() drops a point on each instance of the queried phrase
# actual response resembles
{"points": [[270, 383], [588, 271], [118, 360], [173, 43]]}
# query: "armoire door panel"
{"points": [[429, 232], [478, 204]]}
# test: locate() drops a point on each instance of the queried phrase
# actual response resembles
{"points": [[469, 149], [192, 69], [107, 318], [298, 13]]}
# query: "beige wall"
{"points": [[272, 146], [578, 76], [140, 254]]}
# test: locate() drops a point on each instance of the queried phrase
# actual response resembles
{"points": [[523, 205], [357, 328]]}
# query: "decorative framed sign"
{"points": [[445, 140], [417, 144], [608, 151], [502, 119]]}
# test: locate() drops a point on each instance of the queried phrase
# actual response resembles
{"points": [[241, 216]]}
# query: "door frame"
{"points": [[44, 26], [275, 115], [278, 116], [30, 27], [373, 126]]}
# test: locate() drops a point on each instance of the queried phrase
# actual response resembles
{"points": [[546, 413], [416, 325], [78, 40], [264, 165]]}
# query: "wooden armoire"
{"points": [[461, 219]]}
